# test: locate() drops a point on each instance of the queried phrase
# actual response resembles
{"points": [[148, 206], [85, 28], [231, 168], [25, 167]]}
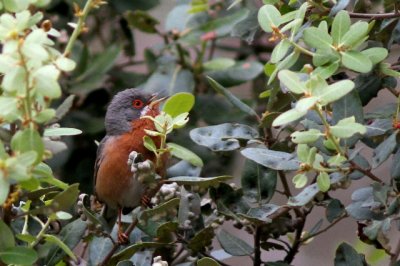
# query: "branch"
{"points": [[366, 172], [80, 25], [285, 184], [257, 247], [374, 16], [325, 229]]}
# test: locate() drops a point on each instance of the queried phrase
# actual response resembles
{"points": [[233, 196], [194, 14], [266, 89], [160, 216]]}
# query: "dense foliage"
{"points": [[304, 72]]}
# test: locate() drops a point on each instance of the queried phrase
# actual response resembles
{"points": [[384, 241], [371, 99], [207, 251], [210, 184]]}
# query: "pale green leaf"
{"points": [[292, 81], [61, 131], [347, 127], [341, 24], [356, 33], [179, 103], [317, 38], [336, 91], [300, 180], [269, 17], [375, 54], [356, 61], [280, 51], [323, 181], [184, 154], [308, 136]]}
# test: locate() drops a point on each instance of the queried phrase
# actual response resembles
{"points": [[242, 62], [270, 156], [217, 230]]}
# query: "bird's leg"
{"points": [[146, 201], [122, 237]]}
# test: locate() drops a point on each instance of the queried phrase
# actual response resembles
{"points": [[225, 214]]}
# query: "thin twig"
{"points": [[366, 172], [285, 184], [325, 229], [374, 16]]}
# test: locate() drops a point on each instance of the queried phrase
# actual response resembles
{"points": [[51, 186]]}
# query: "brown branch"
{"points": [[366, 172], [374, 16], [296, 243], [325, 229], [257, 247], [285, 184]]}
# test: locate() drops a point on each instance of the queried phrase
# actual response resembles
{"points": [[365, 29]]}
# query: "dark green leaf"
{"points": [[348, 256], [128, 252], [142, 21], [258, 182], [334, 210], [6, 237], [202, 239], [362, 204], [260, 215], [368, 87], [384, 150], [232, 98], [199, 181], [233, 245], [246, 29], [70, 235], [224, 137], [276, 160], [241, 72], [19, 255], [160, 209], [207, 262], [395, 170]]}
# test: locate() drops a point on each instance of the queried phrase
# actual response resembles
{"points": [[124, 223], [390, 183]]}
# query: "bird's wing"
{"points": [[99, 159]]}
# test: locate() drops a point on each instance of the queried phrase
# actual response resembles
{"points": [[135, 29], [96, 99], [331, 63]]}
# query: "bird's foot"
{"points": [[123, 238], [146, 201]]}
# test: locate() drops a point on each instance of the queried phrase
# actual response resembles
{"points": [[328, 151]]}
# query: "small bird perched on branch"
{"points": [[115, 184]]}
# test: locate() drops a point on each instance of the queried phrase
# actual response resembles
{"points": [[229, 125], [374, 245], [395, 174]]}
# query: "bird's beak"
{"points": [[154, 102]]}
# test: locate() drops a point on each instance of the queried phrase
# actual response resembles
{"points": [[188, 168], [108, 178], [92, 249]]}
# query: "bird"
{"points": [[125, 129]]}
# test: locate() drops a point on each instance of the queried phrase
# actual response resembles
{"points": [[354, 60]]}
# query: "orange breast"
{"points": [[114, 180]]}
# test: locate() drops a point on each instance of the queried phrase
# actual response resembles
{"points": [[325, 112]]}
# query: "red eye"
{"points": [[137, 104]]}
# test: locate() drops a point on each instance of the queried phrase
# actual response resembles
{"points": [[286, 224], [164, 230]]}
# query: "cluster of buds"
{"points": [[166, 192]]}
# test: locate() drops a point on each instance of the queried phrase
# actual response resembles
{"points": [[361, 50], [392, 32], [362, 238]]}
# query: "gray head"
{"points": [[126, 106]]}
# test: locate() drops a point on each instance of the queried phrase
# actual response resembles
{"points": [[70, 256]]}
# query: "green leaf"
{"points": [[202, 239], [308, 136], [280, 51], [232, 98], [184, 154], [375, 54], [300, 180], [65, 64], [28, 140], [63, 108], [142, 21], [356, 61], [346, 255], [347, 127], [317, 38], [276, 160], [286, 63], [234, 245], [258, 182], [288, 117], [19, 255], [129, 251], [334, 210], [323, 182], [341, 25], [269, 17], [4, 188], [326, 72], [8, 108], [199, 181], [335, 91], [292, 81], [207, 262], [305, 196], [6, 236], [14, 80], [61, 202], [179, 103], [160, 209], [55, 240], [61, 131], [384, 150], [218, 64], [223, 137], [149, 144], [356, 33]]}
